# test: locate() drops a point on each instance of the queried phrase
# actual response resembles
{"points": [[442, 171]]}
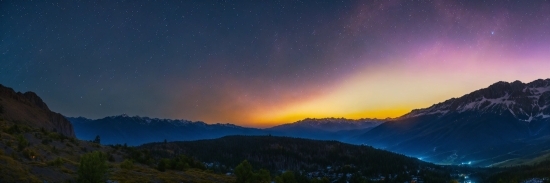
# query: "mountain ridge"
{"points": [[503, 121], [332, 124], [494, 95], [123, 129], [29, 109], [137, 130]]}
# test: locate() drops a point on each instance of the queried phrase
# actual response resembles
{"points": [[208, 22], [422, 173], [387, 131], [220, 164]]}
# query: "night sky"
{"points": [[260, 63]]}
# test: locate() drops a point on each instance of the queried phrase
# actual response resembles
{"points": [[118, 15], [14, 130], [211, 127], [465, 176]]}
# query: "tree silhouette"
{"points": [[286, 177], [244, 172], [97, 140], [163, 164]]}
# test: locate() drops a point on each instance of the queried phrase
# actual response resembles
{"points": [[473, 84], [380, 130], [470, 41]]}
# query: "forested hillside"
{"points": [[310, 158]]}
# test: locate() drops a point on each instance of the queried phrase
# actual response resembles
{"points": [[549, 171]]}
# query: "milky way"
{"points": [[261, 63]]}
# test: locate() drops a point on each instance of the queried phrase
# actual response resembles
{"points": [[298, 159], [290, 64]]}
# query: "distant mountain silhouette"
{"points": [[29, 109], [139, 130], [490, 125], [326, 128]]}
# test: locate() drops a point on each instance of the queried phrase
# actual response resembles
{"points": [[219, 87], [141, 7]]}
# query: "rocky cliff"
{"points": [[29, 109]]}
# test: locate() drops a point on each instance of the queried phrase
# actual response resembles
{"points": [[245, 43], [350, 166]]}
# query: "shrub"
{"points": [[29, 154], [22, 142], [111, 158], [46, 141], [163, 164], [56, 162], [54, 150], [14, 156], [127, 164], [93, 168], [73, 140], [14, 129]]}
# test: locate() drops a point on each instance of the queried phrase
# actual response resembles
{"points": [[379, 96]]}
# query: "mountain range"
{"points": [[505, 122], [490, 126], [135, 130], [124, 129], [35, 148], [486, 127], [493, 126], [340, 129]]}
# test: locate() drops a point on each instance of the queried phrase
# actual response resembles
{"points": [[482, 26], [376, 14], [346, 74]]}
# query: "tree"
{"points": [[97, 140], [286, 177], [357, 178], [244, 172], [163, 164], [93, 168], [317, 180], [263, 176]]}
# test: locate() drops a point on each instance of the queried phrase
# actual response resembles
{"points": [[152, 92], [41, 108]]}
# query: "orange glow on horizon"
{"points": [[394, 90], [381, 114]]}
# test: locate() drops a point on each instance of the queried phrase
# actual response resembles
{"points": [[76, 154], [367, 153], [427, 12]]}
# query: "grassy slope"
{"points": [[525, 161], [55, 158]]}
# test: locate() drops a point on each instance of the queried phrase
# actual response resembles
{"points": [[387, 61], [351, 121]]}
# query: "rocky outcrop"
{"points": [[29, 109]]}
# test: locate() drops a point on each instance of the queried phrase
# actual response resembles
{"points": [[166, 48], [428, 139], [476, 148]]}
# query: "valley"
{"points": [[311, 150]]}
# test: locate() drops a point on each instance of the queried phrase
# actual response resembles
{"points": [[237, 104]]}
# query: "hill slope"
{"points": [[310, 157], [37, 145]]}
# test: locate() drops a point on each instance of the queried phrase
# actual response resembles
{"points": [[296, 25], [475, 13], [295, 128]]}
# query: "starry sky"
{"points": [[260, 63]]}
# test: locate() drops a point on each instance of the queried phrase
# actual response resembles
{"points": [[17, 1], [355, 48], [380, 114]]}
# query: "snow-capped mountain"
{"points": [[326, 128], [490, 125], [526, 102], [138, 130], [330, 124], [135, 130]]}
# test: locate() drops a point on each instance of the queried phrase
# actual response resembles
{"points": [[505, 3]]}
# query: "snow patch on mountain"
{"points": [[521, 100]]}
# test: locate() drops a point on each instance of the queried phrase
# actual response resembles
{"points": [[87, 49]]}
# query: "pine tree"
{"points": [[286, 177], [97, 140], [244, 172]]}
